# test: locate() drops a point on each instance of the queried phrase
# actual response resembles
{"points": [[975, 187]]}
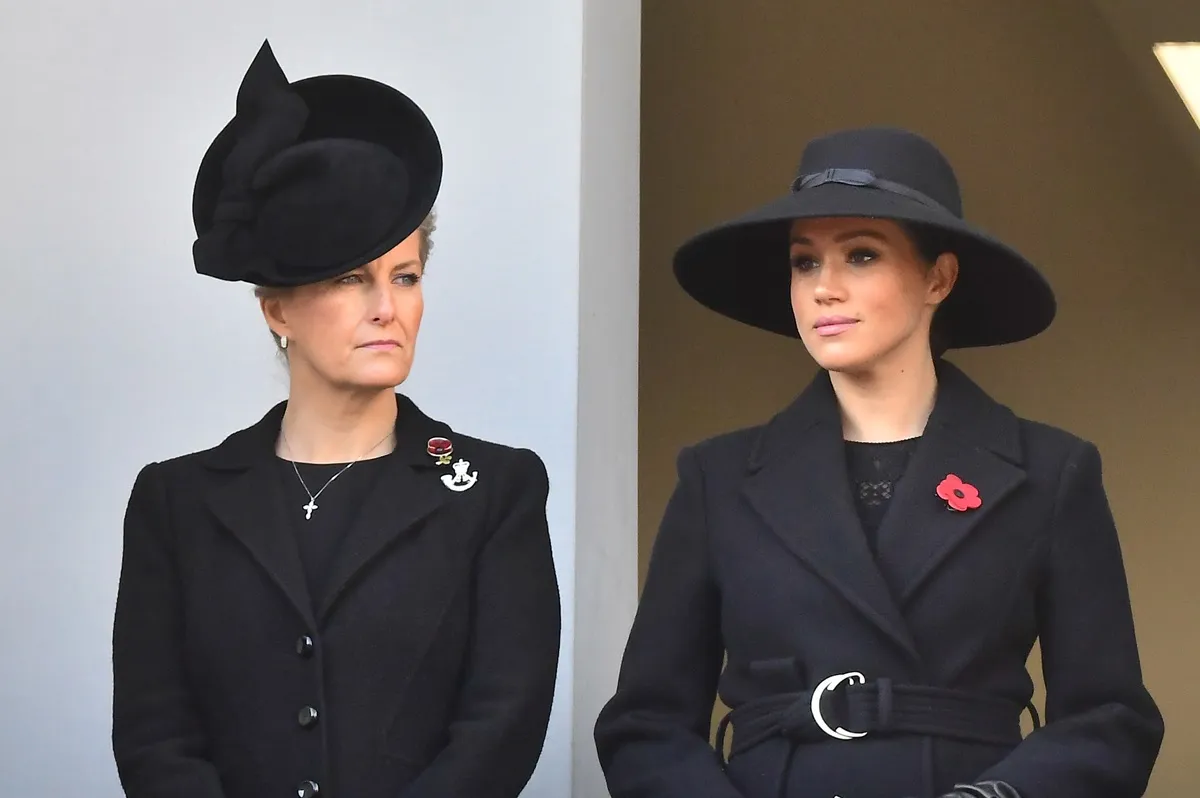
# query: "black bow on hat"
{"points": [[312, 179], [741, 268]]}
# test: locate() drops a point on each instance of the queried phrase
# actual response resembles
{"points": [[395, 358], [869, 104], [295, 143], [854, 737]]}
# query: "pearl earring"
{"points": [[283, 342]]}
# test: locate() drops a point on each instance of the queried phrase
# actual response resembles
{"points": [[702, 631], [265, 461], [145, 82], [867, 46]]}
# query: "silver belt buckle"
{"points": [[827, 684]]}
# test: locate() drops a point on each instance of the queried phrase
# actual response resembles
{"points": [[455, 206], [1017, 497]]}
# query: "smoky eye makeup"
{"points": [[802, 261], [862, 255]]}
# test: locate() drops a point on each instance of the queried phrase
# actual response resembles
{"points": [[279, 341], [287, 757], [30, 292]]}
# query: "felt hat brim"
{"points": [[741, 269]]}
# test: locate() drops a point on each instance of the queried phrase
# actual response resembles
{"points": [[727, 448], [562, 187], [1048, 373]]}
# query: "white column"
{"points": [[606, 548]]}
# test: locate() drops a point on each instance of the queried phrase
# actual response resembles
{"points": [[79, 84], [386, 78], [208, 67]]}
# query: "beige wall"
{"points": [[1058, 149]]}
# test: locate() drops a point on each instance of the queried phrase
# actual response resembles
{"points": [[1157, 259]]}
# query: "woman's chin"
{"points": [[374, 379], [838, 357]]}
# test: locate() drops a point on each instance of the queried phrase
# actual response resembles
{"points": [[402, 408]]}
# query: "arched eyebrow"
{"points": [[843, 237]]}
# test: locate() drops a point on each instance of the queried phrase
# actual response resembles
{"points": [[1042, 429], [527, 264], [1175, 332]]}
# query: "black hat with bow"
{"points": [[741, 268], [312, 179]]}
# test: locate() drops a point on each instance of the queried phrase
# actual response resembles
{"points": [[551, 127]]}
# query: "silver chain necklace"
{"points": [[312, 497]]}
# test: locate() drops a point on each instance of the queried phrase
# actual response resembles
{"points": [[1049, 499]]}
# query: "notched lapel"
{"points": [[800, 487], [972, 437], [409, 492], [251, 506], [251, 503], [406, 494]]}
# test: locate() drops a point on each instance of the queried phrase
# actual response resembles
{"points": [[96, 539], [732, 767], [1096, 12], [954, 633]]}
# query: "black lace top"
{"points": [[875, 469]]}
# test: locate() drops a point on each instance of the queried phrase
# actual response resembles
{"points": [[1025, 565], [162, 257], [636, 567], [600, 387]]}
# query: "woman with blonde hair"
{"points": [[347, 598]]}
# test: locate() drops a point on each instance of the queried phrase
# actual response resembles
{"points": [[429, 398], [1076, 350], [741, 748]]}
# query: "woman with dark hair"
{"points": [[862, 578], [347, 598]]}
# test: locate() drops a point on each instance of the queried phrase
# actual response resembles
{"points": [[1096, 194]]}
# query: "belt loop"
{"points": [[884, 696]]}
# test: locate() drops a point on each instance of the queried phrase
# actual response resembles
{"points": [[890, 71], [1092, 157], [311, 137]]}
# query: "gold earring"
{"points": [[283, 342]]}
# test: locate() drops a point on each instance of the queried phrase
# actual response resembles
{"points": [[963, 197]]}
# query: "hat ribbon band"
{"points": [[864, 178]]}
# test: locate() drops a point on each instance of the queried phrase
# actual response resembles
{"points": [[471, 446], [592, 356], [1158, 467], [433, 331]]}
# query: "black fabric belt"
{"points": [[848, 709]]}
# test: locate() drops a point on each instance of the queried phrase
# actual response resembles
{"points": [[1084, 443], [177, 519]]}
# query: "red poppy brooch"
{"points": [[440, 449], [960, 496]]}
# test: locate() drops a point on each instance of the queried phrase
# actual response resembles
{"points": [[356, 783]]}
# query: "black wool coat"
{"points": [[761, 557], [427, 669]]}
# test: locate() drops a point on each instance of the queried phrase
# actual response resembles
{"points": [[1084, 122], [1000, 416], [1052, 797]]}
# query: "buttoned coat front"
{"points": [[426, 670], [761, 558]]}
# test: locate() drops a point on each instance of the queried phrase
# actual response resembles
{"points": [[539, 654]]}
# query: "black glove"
{"points": [[984, 789]]}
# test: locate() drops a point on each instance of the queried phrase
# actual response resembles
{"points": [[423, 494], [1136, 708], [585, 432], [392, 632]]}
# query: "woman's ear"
{"points": [[942, 277], [273, 311]]}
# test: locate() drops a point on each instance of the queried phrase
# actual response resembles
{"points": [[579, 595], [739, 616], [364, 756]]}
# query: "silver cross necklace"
{"points": [[312, 497]]}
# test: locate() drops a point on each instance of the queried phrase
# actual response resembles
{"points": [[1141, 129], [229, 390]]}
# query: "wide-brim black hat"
{"points": [[741, 268], [312, 179]]}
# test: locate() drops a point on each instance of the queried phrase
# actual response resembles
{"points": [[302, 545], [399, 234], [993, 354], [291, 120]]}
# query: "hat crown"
{"points": [[311, 179], [890, 153]]}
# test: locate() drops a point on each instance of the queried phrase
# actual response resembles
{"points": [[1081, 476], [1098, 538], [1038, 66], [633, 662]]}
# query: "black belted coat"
{"points": [[426, 670], [918, 654]]}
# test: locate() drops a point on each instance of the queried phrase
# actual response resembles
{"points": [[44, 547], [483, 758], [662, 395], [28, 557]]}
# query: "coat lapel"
{"points": [[798, 483], [250, 504], [970, 436], [408, 493]]}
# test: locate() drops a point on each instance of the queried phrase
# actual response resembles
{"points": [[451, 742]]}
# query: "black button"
{"points": [[308, 789], [304, 646], [307, 717]]}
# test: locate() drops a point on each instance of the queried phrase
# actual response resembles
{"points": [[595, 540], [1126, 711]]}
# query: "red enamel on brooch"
{"points": [[441, 449]]}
